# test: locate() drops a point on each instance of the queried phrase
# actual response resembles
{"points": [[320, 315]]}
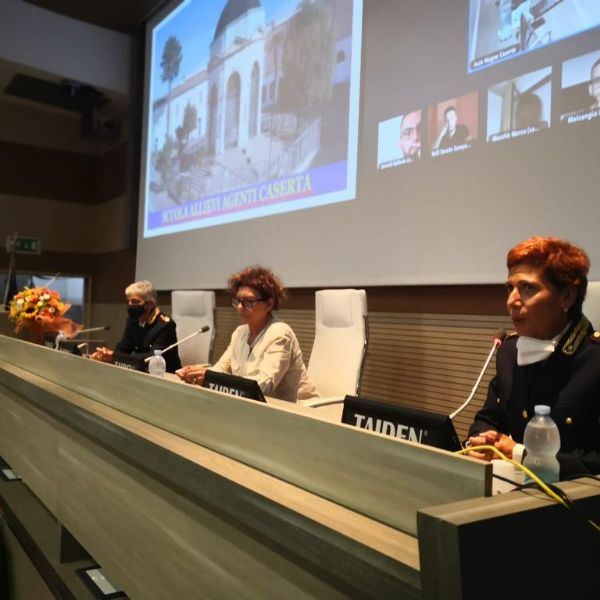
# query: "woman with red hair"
{"points": [[553, 359]]}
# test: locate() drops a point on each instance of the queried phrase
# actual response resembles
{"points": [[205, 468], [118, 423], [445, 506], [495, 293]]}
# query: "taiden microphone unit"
{"points": [[498, 338], [187, 337]]}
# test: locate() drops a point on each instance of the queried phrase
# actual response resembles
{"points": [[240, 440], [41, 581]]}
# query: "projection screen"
{"points": [[349, 143]]}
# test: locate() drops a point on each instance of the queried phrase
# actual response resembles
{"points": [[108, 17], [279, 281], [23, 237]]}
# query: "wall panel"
{"points": [[421, 360]]}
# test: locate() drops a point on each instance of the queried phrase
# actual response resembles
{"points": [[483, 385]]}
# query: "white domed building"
{"points": [[234, 73], [242, 133]]}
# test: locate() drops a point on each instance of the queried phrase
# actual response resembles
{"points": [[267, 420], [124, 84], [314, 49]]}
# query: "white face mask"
{"points": [[531, 350]]}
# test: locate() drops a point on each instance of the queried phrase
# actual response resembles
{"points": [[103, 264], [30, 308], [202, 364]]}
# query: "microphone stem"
{"points": [[187, 337], [91, 329], [485, 366]]}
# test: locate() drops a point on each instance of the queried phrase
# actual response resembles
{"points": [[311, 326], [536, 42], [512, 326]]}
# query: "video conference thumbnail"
{"points": [[580, 93], [520, 106], [453, 127], [399, 140], [502, 29], [453, 124], [517, 107]]}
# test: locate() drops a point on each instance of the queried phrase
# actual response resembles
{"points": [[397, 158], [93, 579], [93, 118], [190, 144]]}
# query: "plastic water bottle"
{"points": [[542, 442], [60, 338], [157, 365]]}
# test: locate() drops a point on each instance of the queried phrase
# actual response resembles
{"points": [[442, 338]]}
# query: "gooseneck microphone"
{"points": [[498, 338], [187, 337], [92, 329]]}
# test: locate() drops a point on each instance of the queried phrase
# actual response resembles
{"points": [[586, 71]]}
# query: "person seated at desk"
{"points": [[261, 348], [410, 135], [529, 112], [553, 359], [594, 86], [147, 328], [452, 132]]}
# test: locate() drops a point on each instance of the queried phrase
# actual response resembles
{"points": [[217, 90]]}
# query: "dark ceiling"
{"points": [[126, 16]]}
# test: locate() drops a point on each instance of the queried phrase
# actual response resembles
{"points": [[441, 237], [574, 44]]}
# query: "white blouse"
{"points": [[274, 359]]}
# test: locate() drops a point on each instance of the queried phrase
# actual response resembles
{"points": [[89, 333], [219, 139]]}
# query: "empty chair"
{"points": [[591, 304], [191, 310], [341, 334]]}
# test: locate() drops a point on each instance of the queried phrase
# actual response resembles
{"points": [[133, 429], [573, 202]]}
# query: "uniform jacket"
{"points": [[568, 381], [157, 333]]}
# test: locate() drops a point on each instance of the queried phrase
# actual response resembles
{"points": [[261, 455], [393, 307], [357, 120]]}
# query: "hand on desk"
{"points": [[192, 374], [103, 354], [501, 441]]}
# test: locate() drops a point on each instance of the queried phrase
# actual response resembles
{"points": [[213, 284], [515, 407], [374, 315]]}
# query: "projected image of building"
{"points": [[267, 103]]}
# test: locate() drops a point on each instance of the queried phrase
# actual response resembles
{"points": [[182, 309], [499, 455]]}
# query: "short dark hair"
{"points": [[596, 64], [449, 109], [263, 280]]}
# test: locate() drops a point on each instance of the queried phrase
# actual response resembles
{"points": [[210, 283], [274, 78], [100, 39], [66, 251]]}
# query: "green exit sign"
{"points": [[24, 245]]}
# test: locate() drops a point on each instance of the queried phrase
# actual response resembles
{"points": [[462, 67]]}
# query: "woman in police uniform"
{"points": [[147, 329], [553, 359]]}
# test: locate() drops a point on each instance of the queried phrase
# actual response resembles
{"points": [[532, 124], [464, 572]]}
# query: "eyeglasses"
{"points": [[245, 302]]}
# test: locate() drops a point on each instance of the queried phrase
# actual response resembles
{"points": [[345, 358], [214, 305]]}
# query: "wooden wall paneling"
{"points": [[132, 518], [286, 441], [563, 564], [427, 361], [153, 541], [140, 499], [187, 549], [36, 567], [23, 579], [29, 447]]}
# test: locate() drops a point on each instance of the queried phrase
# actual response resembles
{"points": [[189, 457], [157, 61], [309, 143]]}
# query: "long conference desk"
{"points": [[182, 492]]}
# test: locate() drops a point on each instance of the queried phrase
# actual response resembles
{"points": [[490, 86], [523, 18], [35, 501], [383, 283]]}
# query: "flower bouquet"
{"points": [[40, 310]]}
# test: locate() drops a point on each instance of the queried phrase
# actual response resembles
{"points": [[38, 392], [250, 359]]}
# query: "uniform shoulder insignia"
{"points": [[165, 318], [512, 334], [596, 337]]}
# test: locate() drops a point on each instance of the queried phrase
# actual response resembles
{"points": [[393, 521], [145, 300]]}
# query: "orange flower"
{"points": [[41, 307]]}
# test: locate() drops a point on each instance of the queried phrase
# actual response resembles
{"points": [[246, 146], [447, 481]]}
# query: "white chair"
{"points": [[591, 304], [341, 335], [191, 310]]}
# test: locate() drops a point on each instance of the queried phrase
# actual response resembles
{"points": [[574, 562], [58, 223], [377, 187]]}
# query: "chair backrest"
{"points": [[191, 310], [341, 333], [591, 304]]}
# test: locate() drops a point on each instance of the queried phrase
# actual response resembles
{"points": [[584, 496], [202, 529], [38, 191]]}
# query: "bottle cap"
{"points": [[542, 409], [158, 353]]}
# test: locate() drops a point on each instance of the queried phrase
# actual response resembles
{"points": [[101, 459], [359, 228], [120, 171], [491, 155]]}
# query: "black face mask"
{"points": [[135, 311]]}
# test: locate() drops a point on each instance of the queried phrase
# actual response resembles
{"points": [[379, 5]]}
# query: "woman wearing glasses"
{"points": [[262, 347]]}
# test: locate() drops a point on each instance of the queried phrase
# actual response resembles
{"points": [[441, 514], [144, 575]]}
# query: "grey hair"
{"points": [[143, 289]]}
